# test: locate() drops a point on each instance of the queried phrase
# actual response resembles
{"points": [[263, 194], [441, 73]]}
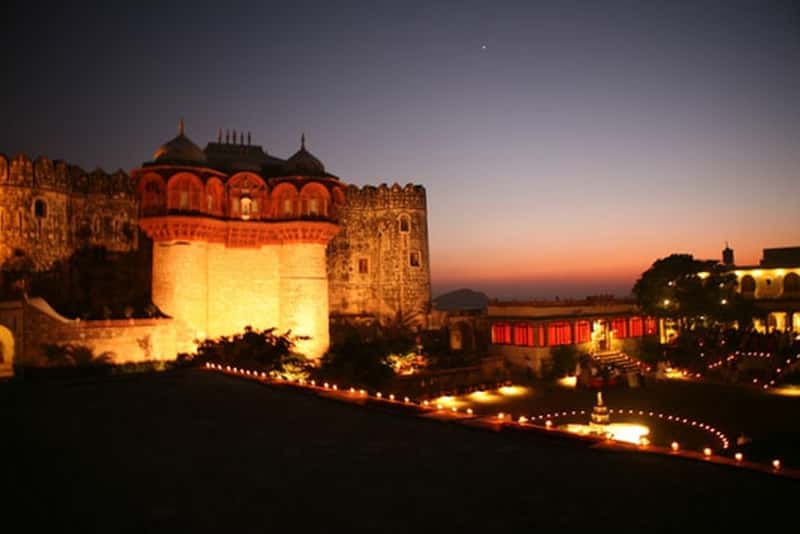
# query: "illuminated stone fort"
{"points": [[239, 238]]}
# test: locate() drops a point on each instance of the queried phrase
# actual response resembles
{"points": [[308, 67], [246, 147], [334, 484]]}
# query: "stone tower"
{"points": [[379, 266], [237, 248]]}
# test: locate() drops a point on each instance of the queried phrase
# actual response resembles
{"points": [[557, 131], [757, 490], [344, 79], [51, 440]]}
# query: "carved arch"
{"points": [[151, 191], [185, 192], [284, 201], [314, 200]]}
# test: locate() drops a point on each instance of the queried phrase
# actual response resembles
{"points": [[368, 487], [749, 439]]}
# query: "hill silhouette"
{"points": [[461, 299]]}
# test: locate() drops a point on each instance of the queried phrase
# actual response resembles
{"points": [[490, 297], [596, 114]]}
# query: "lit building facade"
{"points": [[773, 285], [525, 333]]}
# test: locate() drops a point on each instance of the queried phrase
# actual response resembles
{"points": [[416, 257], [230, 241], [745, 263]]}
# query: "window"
{"points": [[313, 206], [521, 334], [636, 327], [413, 259], [558, 333], [620, 327], [40, 208], [184, 200], [235, 207], [210, 203], [405, 224], [583, 332], [287, 207], [650, 326], [501, 333], [363, 266], [246, 204], [791, 283]]}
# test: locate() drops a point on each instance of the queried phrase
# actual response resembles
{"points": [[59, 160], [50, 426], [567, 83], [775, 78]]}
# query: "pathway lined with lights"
{"points": [[451, 409]]}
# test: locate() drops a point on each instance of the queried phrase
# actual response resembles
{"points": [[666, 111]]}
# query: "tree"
{"points": [[691, 292]]}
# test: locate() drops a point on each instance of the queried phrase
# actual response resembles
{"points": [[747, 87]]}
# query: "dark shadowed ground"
{"points": [[194, 451]]}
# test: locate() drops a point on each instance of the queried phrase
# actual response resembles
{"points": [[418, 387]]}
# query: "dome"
{"points": [[304, 163], [181, 149]]}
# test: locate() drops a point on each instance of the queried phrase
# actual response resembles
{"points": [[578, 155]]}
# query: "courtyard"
{"points": [[198, 451]]}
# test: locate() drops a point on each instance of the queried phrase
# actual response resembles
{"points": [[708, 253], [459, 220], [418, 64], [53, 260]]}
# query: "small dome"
{"points": [[304, 163], [181, 149]]}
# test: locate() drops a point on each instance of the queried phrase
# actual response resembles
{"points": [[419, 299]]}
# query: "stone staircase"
{"points": [[617, 359]]}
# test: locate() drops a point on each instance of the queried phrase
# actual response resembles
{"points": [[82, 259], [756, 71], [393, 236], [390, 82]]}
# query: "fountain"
{"points": [[600, 425]]}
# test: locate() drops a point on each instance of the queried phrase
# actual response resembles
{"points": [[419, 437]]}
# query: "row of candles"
{"points": [[501, 416]]}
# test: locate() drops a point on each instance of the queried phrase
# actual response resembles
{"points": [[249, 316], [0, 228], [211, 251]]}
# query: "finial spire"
{"points": [[248, 138], [219, 136], [303, 141], [180, 127], [227, 136], [599, 398]]}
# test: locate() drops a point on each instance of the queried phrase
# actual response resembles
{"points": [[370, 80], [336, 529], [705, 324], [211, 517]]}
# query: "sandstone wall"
{"points": [[125, 340], [243, 288], [48, 209], [304, 295], [379, 263]]}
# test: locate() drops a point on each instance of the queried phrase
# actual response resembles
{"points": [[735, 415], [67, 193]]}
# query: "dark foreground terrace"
{"points": [[194, 451]]}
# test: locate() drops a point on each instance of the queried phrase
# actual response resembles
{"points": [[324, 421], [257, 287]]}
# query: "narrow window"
{"points": [[413, 259], [404, 224], [246, 205], [40, 208], [210, 203], [363, 266], [313, 206], [287, 206], [184, 200]]}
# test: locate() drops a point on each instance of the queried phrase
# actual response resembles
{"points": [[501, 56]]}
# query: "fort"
{"points": [[229, 236]]}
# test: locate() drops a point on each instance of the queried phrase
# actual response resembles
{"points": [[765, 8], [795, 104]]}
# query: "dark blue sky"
{"points": [[585, 140]]}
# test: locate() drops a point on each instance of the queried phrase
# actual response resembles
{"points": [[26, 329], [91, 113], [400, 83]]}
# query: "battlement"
{"points": [[59, 176], [384, 196]]}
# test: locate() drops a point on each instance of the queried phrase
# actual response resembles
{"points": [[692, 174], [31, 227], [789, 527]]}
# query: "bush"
{"points": [[260, 349]]}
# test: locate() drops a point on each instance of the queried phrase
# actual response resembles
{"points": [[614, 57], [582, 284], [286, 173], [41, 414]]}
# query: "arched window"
{"points": [[284, 198], [405, 224], [152, 191], [314, 199], [215, 197], [791, 283], [185, 193], [748, 284]]}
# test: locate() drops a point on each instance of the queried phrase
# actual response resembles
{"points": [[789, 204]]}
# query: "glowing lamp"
{"points": [[352, 390], [453, 409], [325, 385], [548, 423], [644, 442], [522, 419], [391, 396], [438, 406], [738, 456], [776, 464], [500, 416], [707, 452], [406, 400], [469, 411], [313, 382], [335, 387], [675, 446], [379, 394]]}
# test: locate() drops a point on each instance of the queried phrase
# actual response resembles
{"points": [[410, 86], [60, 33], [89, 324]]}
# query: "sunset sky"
{"points": [[564, 145]]}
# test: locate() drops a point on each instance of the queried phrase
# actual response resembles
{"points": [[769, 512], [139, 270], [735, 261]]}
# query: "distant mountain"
{"points": [[461, 299]]}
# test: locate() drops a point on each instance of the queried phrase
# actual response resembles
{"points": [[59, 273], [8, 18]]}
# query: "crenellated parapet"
{"points": [[385, 196], [59, 176]]}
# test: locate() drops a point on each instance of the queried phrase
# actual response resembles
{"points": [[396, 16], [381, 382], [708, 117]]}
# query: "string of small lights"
{"points": [[502, 418]]}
